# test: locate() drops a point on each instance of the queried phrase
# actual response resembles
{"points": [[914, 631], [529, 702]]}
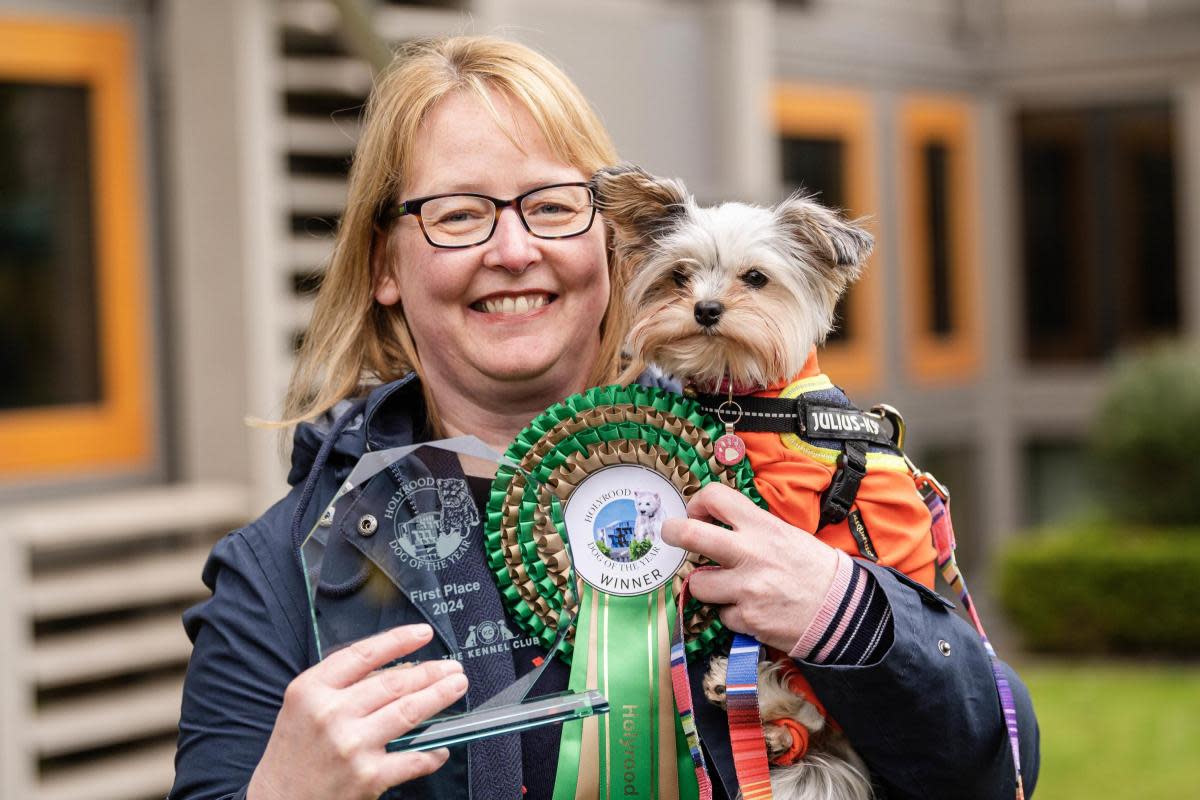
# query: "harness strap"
{"points": [[839, 497]]}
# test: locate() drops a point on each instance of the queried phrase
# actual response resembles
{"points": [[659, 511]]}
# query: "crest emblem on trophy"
{"points": [[436, 536]]}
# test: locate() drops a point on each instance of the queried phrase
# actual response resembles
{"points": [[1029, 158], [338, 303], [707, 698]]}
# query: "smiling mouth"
{"points": [[519, 304]]}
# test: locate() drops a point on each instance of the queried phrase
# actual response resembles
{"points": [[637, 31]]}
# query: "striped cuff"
{"points": [[853, 627]]}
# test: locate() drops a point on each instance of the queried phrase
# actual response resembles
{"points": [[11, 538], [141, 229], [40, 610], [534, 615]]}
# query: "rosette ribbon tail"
{"points": [[638, 749]]}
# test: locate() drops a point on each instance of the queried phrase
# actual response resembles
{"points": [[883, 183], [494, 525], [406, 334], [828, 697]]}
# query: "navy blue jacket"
{"points": [[928, 725]]}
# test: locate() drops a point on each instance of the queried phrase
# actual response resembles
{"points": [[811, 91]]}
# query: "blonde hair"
{"points": [[354, 342]]}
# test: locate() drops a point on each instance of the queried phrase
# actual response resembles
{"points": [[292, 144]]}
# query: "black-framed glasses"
{"points": [[465, 219]]}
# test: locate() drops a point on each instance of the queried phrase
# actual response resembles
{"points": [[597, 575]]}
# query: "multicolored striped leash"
{"points": [[741, 698], [745, 722], [937, 500], [682, 689]]}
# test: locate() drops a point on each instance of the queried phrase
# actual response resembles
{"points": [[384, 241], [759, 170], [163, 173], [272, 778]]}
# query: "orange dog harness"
{"points": [[883, 517]]}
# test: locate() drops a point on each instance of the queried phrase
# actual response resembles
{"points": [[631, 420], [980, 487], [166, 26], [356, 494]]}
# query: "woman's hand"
{"points": [[337, 717], [773, 578]]}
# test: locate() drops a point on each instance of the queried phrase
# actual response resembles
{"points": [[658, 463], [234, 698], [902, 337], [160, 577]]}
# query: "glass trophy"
{"points": [[408, 533]]}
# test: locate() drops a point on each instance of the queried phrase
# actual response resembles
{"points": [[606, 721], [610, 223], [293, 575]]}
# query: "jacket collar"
{"points": [[393, 415]]}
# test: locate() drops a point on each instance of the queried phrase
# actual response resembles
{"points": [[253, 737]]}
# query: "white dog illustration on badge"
{"points": [[649, 518]]}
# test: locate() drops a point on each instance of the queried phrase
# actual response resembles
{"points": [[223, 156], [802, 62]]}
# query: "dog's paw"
{"points": [[714, 680], [778, 738]]}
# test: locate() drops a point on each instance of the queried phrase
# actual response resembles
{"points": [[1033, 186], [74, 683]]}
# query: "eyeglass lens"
{"points": [[461, 219]]}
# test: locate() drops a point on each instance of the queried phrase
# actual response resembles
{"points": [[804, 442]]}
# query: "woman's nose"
{"points": [[511, 247]]}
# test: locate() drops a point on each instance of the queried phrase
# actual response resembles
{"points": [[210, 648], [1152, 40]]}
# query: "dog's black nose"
{"points": [[708, 312]]}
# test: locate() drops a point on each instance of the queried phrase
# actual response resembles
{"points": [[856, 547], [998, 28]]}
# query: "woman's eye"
{"points": [[451, 217], [754, 279], [680, 277]]}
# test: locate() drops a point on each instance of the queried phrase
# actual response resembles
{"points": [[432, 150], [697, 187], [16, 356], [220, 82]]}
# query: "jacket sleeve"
{"points": [[926, 717], [246, 649]]}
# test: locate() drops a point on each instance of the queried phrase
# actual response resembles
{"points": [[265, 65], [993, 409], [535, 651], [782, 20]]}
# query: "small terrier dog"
{"points": [[735, 297]]}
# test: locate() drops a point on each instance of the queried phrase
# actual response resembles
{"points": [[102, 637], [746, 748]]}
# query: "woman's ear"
{"points": [[386, 287]]}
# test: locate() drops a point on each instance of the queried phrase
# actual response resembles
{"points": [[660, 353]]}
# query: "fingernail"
{"points": [[457, 682], [450, 666], [422, 631]]}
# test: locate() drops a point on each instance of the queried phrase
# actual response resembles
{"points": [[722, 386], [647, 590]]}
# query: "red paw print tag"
{"points": [[730, 449]]}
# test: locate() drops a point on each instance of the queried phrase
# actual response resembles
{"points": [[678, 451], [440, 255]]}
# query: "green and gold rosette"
{"points": [[571, 539]]}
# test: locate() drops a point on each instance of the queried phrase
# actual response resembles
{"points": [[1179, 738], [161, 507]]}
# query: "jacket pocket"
{"points": [[928, 596]]}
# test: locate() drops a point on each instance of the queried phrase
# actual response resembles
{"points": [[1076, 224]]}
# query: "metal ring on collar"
{"points": [[721, 408]]}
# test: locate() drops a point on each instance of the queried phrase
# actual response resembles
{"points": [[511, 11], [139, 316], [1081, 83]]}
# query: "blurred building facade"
{"points": [[171, 173]]}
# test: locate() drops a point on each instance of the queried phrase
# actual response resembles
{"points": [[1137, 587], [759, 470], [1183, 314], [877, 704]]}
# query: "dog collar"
{"points": [[807, 418]]}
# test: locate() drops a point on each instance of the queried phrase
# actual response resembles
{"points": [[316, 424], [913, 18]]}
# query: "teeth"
{"points": [[514, 305]]}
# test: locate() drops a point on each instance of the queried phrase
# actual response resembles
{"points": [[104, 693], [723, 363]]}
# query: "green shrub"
{"points": [[1144, 447], [1101, 587]]}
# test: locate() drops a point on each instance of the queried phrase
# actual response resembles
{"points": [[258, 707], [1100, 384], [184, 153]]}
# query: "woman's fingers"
{"points": [[695, 536], [405, 713], [717, 502], [403, 767], [386, 685], [715, 586], [355, 662]]}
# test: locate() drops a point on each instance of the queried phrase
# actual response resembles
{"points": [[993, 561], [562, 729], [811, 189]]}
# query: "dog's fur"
{"points": [[777, 274]]}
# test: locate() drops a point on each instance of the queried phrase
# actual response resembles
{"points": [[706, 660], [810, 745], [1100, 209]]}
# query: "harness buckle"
{"points": [[893, 416], [843, 488]]}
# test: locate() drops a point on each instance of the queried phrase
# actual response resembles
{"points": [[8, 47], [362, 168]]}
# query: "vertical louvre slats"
{"points": [[101, 646], [98, 584], [324, 88], [145, 709], [105, 651], [139, 774]]}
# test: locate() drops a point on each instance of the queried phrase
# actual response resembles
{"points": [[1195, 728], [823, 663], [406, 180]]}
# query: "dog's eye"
{"points": [[754, 279], [680, 277]]}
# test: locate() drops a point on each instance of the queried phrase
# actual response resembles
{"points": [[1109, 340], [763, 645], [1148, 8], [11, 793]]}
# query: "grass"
{"points": [[1116, 730]]}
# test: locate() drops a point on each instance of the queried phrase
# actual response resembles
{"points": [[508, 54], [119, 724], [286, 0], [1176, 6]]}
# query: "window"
{"points": [[940, 235], [73, 346], [1056, 481], [826, 149], [1098, 224]]}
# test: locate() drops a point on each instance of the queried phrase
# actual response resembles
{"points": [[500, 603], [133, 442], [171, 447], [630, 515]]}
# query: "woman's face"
{"points": [[515, 308]]}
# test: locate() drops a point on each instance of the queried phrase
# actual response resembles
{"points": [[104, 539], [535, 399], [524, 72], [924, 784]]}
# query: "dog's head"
{"points": [[648, 503], [731, 290]]}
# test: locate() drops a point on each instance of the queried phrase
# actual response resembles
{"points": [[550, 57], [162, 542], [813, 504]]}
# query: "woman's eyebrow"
{"points": [[477, 187]]}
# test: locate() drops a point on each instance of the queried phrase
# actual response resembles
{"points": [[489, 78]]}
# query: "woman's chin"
{"points": [[536, 364]]}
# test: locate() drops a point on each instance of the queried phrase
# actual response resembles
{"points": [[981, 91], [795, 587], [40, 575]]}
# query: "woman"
{"points": [[463, 314]]}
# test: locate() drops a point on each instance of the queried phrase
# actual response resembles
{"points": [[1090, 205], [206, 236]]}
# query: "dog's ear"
{"points": [[636, 203], [842, 243]]}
